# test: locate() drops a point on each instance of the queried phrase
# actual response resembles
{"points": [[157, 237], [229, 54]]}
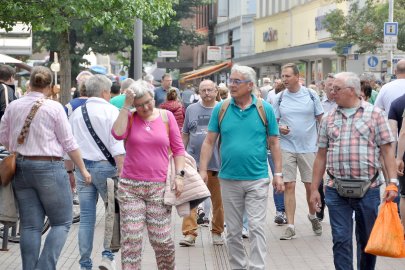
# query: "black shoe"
{"points": [[200, 216]]}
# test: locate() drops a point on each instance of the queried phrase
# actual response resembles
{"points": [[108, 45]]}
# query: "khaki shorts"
{"points": [[304, 162]]}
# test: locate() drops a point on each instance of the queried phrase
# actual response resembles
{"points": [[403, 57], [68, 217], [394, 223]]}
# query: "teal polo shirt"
{"points": [[118, 101], [243, 140]]}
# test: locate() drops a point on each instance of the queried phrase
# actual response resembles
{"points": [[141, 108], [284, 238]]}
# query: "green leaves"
{"points": [[364, 26], [109, 14]]}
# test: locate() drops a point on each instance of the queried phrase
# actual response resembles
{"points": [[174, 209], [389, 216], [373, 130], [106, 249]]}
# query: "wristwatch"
{"points": [[70, 171], [394, 181], [278, 174], [181, 173]]}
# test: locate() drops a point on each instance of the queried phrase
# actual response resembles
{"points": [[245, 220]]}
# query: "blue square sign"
{"points": [[390, 29]]}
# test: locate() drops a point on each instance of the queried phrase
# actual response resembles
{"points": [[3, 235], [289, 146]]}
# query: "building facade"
{"points": [[292, 31]]}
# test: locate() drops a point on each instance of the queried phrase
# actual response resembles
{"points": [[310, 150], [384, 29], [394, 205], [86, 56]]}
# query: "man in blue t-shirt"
{"points": [[298, 110], [244, 176]]}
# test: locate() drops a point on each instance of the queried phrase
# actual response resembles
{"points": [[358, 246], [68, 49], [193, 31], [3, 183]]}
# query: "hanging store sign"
{"points": [[270, 35]]}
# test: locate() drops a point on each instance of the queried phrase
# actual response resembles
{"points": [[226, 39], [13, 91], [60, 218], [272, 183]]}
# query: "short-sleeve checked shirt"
{"points": [[353, 142]]}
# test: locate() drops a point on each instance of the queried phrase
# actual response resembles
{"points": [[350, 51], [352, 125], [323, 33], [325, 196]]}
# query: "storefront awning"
{"points": [[203, 72]]}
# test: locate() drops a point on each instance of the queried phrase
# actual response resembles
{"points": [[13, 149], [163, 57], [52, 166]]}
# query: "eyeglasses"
{"points": [[207, 90], [337, 89], [237, 81], [147, 103]]}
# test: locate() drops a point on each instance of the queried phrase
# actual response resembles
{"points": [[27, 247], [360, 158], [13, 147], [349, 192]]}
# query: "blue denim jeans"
{"points": [[42, 188], [341, 221], [278, 197], [88, 194]]}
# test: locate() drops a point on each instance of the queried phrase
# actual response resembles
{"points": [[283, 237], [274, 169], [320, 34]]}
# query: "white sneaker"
{"points": [[245, 233], [217, 239], [107, 264]]}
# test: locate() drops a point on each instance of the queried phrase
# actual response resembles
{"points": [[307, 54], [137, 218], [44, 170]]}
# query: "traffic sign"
{"points": [[167, 54], [372, 61], [55, 67], [390, 29], [391, 39], [389, 46]]}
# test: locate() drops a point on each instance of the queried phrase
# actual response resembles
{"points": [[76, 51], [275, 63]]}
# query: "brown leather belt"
{"points": [[41, 158]]}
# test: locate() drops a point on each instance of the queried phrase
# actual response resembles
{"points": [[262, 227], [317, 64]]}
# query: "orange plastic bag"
{"points": [[387, 237]]}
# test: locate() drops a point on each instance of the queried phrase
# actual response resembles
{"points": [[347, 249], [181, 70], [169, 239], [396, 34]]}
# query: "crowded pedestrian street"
{"points": [[305, 252]]}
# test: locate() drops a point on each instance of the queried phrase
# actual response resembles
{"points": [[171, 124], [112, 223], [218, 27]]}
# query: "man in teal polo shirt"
{"points": [[244, 175]]}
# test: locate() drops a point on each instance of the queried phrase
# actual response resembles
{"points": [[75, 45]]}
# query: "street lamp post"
{"points": [[138, 49], [390, 19]]}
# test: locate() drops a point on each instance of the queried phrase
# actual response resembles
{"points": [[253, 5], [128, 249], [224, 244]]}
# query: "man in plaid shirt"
{"points": [[351, 139]]}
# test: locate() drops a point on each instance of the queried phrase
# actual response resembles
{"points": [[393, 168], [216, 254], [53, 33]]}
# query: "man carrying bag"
{"points": [[351, 139]]}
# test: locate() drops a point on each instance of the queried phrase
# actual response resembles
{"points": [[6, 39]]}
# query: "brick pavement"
{"points": [[306, 252]]}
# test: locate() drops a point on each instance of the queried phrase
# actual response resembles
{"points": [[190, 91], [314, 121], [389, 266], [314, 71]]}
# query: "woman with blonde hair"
{"points": [[149, 134], [40, 182]]}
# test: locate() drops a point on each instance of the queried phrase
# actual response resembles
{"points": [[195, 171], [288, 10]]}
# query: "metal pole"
{"points": [[390, 19], [138, 49]]}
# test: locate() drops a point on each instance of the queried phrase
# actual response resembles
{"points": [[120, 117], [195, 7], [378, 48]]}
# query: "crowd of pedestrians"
{"points": [[329, 132]]}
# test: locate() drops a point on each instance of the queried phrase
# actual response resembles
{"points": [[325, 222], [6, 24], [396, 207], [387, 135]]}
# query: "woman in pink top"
{"points": [[142, 184], [40, 182]]}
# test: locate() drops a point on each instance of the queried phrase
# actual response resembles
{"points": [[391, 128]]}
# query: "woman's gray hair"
{"points": [[141, 88], [351, 80], [247, 72], [96, 84]]}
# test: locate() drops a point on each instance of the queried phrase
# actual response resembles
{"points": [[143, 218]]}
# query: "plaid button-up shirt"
{"points": [[353, 142]]}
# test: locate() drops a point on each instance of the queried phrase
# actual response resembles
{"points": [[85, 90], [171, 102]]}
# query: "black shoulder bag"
{"points": [[99, 143]]}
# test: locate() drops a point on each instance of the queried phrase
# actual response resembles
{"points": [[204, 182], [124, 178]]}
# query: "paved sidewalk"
{"points": [[306, 252]]}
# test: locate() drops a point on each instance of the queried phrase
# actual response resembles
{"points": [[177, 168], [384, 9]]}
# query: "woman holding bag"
{"points": [[142, 184], [40, 182]]}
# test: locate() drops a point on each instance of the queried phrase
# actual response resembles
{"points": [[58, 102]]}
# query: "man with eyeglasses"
{"points": [[329, 103], [194, 131], [351, 139], [244, 176], [298, 110]]}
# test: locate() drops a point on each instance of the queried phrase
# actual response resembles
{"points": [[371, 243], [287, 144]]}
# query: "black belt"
{"points": [[40, 158]]}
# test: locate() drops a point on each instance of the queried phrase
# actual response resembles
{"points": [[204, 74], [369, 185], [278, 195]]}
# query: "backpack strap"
{"points": [[262, 113], [165, 118], [5, 94], [281, 98], [222, 110], [311, 95]]}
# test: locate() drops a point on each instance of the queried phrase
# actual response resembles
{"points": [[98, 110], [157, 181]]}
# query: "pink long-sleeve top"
{"points": [[147, 155], [50, 133]]}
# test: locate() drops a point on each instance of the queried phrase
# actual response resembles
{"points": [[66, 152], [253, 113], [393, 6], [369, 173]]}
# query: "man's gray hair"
{"points": [[351, 80], [96, 84], [126, 83], [141, 88], [367, 76], [247, 72], [149, 78]]}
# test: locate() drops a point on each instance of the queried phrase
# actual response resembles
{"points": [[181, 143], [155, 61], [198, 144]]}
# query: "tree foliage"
{"points": [[58, 16], [364, 26]]}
